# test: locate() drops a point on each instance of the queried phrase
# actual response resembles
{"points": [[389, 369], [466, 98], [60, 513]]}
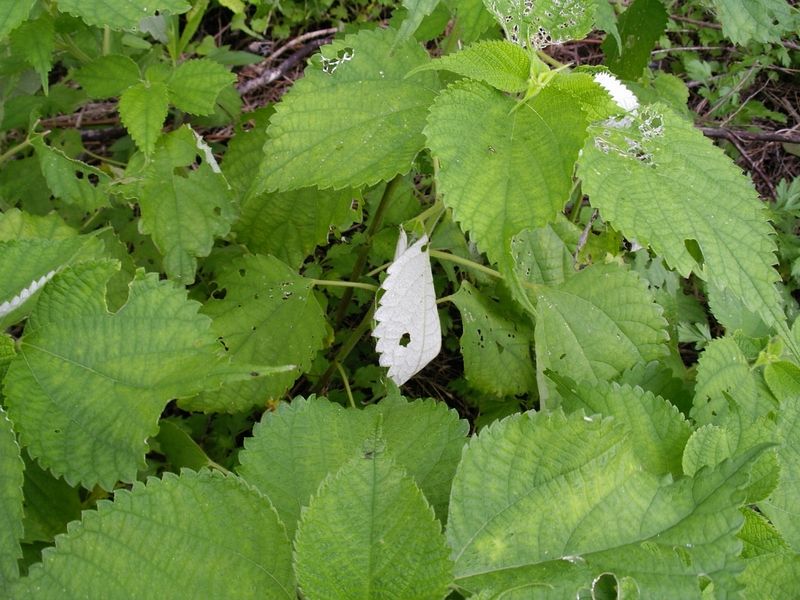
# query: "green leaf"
{"points": [[294, 448], [369, 533], [268, 316], [658, 431], [488, 174], [28, 264], [290, 225], [35, 41], [599, 323], [500, 64], [108, 75], [759, 536], [71, 180], [543, 22], [417, 11], [471, 19], [493, 342], [772, 576], [640, 26], [12, 14], [533, 512], [11, 479], [121, 14], [723, 373], [195, 85], [183, 209], [18, 225], [143, 108], [50, 504], [88, 386], [197, 535], [354, 116], [782, 507], [754, 21], [693, 205], [179, 448]]}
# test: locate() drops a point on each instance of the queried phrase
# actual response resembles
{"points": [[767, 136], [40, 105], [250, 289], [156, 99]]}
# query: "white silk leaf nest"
{"points": [[408, 332]]}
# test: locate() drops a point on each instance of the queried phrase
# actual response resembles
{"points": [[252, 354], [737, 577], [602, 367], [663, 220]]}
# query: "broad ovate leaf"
{"points": [[121, 14], [108, 75], [142, 109], [408, 332], [294, 448], [354, 116], [540, 23], [11, 478], [504, 167], [533, 514], [598, 323], [268, 316], [494, 341], [71, 180], [87, 386], [500, 64], [369, 533], [755, 20], [693, 205], [197, 535], [12, 14], [196, 83], [184, 209]]}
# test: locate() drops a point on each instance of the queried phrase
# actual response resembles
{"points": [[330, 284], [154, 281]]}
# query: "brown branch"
{"points": [[754, 136], [270, 75]]}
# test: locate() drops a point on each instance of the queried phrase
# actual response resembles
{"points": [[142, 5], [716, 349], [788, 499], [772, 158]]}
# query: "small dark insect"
{"points": [[254, 373], [491, 149]]}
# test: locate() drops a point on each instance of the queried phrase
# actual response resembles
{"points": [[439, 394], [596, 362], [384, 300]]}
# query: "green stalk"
{"points": [[345, 349]]}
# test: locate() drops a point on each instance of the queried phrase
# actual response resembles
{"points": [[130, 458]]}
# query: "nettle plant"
{"points": [[556, 226]]}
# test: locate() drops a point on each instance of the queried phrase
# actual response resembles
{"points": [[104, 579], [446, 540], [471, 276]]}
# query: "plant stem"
{"points": [[465, 262], [346, 385], [345, 349], [14, 150], [361, 260], [106, 40], [345, 284]]}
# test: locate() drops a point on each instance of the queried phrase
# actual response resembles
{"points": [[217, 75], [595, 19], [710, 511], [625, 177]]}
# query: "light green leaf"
{"points": [[73, 181], [196, 83], [243, 158], [108, 75], [268, 316], [11, 479], [471, 19], [783, 379], [417, 11], [35, 41], [143, 108], [759, 536], [693, 205], [161, 529], [354, 117], [27, 264], [290, 225], [369, 533], [541, 23], [12, 14], [498, 63], [772, 576], [18, 225], [88, 386], [295, 447], [658, 431], [782, 507], [533, 514], [753, 21], [540, 256], [723, 373], [640, 26], [599, 323], [494, 342], [184, 211], [121, 14], [503, 170]]}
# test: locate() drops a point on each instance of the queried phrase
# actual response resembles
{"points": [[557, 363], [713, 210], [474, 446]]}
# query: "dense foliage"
{"points": [[192, 402]]}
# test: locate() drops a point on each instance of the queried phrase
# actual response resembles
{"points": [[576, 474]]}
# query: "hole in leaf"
{"points": [[405, 339], [693, 248], [605, 587], [93, 179], [242, 272], [219, 294], [79, 174]]}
